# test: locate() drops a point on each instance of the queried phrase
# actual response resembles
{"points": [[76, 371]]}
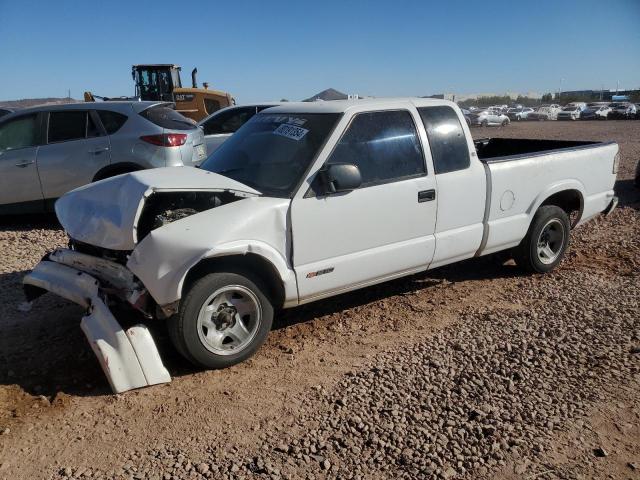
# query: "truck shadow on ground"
{"points": [[43, 351], [628, 194]]}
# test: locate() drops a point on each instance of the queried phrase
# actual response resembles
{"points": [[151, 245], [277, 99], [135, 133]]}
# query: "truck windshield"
{"points": [[272, 151]]}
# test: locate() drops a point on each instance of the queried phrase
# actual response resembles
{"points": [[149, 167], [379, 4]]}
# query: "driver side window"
{"points": [[383, 145]]}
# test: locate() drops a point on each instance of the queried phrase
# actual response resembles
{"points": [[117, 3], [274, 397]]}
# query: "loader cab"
{"points": [[156, 82]]}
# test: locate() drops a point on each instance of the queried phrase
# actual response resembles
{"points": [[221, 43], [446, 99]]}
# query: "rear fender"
{"points": [[570, 184]]}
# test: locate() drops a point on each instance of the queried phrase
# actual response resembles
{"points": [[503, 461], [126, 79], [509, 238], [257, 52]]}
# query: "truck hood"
{"points": [[105, 213]]}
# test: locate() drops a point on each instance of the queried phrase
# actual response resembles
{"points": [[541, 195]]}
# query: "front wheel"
{"points": [[546, 241], [223, 319], [505, 123], [485, 123]]}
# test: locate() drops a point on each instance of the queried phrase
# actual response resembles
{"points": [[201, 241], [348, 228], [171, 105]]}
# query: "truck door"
{"points": [[19, 183], [75, 151], [461, 185], [384, 228]]}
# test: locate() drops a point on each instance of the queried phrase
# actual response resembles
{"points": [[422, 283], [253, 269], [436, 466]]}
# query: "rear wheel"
{"points": [[546, 242], [485, 123], [505, 123], [223, 319]]}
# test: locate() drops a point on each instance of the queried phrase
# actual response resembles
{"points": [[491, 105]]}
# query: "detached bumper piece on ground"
{"points": [[129, 358]]}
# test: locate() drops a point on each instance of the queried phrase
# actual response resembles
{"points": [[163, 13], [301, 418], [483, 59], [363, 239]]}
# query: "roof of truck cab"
{"points": [[341, 106]]}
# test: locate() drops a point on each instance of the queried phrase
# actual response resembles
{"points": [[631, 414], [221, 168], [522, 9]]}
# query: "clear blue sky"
{"points": [[267, 50]]}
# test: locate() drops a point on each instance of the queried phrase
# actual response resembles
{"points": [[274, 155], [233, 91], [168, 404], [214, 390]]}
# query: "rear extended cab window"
{"points": [[166, 117], [448, 143]]}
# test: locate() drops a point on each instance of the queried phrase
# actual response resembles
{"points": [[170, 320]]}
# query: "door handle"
{"points": [[99, 150], [24, 164], [426, 195]]}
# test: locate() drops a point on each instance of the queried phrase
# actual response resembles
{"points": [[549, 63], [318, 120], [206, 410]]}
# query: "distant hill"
{"points": [[328, 94], [32, 102]]}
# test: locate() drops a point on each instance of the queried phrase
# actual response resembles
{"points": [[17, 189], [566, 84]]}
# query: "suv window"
{"points": [[449, 148], [111, 121], [68, 125], [383, 145], [228, 121], [92, 128], [167, 117], [19, 132]]}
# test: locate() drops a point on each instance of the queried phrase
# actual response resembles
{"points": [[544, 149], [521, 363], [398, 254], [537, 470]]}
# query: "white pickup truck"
{"points": [[307, 201]]}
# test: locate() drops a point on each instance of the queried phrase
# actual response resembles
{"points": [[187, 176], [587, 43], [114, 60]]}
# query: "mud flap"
{"points": [[128, 358]]}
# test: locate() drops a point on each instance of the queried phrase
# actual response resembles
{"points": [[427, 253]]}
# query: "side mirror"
{"points": [[341, 177]]}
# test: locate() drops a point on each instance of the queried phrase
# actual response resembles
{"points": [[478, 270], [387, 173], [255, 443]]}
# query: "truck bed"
{"points": [[504, 149]]}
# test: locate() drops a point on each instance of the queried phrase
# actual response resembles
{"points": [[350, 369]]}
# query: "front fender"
{"points": [[256, 225], [263, 250]]}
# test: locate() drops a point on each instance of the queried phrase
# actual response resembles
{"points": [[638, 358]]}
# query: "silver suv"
{"points": [[48, 150]]}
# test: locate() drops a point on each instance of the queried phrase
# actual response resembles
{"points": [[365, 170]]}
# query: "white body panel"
{"points": [[363, 238], [254, 225], [527, 182]]}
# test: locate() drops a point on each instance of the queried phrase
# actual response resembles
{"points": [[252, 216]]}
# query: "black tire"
{"points": [[184, 326], [505, 123], [527, 255], [485, 123]]}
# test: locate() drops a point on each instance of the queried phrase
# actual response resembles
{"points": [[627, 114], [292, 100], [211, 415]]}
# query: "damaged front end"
{"points": [[129, 358], [164, 207], [106, 221]]}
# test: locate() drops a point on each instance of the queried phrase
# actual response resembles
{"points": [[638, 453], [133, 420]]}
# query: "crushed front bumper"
{"points": [[129, 358]]}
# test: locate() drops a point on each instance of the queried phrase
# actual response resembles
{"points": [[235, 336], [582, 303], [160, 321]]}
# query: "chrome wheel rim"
{"points": [[229, 320], [550, 241]]}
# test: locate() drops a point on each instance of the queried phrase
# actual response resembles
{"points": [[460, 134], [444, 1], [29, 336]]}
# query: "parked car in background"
{"points": [[571, 112], [519, 113], [5, 111], [545, 112], [488, 118], [466, 114], [595, 111], [622, 111], [220, 125], [48, 150], [499, 108]]}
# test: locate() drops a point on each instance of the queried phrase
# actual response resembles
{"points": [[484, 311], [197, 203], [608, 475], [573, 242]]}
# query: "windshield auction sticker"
{"points": [[291, 131]]}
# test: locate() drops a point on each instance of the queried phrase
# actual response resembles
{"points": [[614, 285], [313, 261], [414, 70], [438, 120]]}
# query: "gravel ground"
{"points": [[469, 371]]}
